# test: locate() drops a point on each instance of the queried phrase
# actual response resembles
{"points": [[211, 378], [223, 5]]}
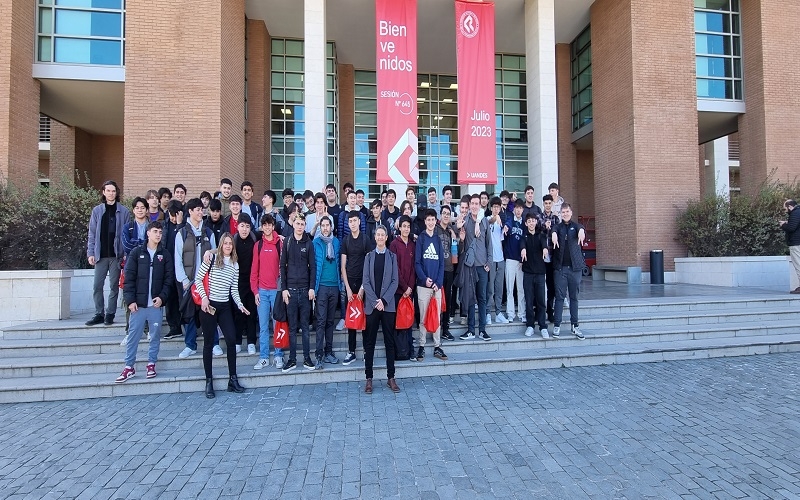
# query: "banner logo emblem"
{"points": [[468, 24]]}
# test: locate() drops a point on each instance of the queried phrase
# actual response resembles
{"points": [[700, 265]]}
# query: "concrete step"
{"points": [[64, 357], [660, 310], [47, 388]]}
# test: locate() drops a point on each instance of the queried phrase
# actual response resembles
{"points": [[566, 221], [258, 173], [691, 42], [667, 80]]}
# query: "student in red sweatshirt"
{"points": [[264, 285]]}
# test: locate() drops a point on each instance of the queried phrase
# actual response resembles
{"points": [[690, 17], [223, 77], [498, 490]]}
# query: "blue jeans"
{"points": [[567, 280], [299, 312], [151, 316], [326, 308], [480, 295], [267, 300]]}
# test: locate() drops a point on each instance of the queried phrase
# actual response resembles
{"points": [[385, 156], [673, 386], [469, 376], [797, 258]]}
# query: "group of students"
{"points": [[315, 255]]}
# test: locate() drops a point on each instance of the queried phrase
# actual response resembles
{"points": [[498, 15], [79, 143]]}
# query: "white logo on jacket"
{"points": [[430, 253]]}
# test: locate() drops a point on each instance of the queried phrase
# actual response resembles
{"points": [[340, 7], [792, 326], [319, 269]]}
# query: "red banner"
{"points": [[477, 161], [396, 48]]}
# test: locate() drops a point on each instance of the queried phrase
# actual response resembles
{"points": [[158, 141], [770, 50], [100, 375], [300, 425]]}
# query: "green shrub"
{"points": [[741, 226], [45, 227]]}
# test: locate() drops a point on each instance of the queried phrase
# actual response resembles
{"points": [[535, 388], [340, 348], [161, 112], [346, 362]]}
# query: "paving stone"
{"points": [[698, 429]]}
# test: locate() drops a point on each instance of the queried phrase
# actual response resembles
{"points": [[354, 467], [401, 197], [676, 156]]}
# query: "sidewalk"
{"points": [[701, 429]]}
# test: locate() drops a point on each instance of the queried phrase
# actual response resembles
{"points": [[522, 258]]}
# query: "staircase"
{"points": [[66, 360]]}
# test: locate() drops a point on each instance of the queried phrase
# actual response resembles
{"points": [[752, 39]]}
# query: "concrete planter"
{"points": [[27, 296], [771, 272]]}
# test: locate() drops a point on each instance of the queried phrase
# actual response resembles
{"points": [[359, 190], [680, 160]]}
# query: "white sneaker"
{"points": [[510, 318], [488, 319], [238, 348], [186, 352], [545, 333], [217, 351], [124, 341], [500, 319], [529, 331], [279, 362], [340, 325], [556, 331], [251, 349], [262, 363], [148, 337], [522, 319], [463, 321]]}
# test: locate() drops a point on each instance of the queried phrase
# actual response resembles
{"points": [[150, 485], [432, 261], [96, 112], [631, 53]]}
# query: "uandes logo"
{"points": [[468, 24], [477, 175]]}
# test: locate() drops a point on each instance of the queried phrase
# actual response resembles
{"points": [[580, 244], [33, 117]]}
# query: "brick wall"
{"points": [[232, 92], [19, 95], [257, 137], [347, 122], [173, 118], [769, 129], [62, 152], [645, 126], [567, 160], [107, 159], [583, 201]]}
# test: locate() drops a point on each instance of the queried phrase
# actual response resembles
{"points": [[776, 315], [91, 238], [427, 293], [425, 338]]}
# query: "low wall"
{"points": [[27, 296], [772, 272]]}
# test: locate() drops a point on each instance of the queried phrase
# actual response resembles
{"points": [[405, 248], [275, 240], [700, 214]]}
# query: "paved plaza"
{"points": [[718, 428]]}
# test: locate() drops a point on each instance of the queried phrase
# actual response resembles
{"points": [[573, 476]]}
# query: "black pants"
{"points": [[298, 311], [224, 318], [172, 309], [551, 289], [447, 289], [386, 321], [246, 325], [533, 284]]}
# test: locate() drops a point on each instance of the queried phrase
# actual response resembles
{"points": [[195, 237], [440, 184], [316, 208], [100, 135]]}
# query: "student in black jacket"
{"points": [[149, 281], [567, 237], [298, 271], [246, 324], [534, 271]]}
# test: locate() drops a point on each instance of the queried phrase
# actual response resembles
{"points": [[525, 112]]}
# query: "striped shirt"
{"points": [[222, 283]]}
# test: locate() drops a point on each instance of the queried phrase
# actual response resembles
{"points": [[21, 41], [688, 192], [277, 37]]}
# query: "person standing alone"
{"points": [[792, 229]]}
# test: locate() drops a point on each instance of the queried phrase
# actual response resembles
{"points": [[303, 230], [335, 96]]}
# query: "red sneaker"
{"points": [[151, 370], [127, 372]]}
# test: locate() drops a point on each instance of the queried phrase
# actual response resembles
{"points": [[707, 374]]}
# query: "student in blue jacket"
{"points": [[429, 266]]}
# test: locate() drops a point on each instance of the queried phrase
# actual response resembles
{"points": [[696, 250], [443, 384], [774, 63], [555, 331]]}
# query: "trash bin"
{"points": [[656, 267]]}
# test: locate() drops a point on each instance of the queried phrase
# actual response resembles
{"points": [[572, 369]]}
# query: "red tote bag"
{"points": [[405, 314], [281, 335], [432, 315], [355, 319]]}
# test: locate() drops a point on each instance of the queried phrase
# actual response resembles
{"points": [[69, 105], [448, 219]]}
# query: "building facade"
{"points": [[631, 105]]}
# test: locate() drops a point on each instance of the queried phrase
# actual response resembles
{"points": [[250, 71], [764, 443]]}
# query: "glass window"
{"points": [[581, 77], [81, 32], [718, 49]]}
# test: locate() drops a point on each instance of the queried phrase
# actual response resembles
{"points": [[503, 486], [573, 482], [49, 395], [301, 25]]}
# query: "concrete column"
{"points": [[717, 172], [19, 95], [316, 170], [347, 117], [540, 67]]}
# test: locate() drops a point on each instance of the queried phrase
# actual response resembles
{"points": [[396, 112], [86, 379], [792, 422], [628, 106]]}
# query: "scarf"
{"points": [[331, 255]]}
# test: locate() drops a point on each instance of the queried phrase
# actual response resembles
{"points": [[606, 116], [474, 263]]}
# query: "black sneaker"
{"points": [[109, 320], [420, 353], [307, 364], [289, 366], [448, 336], [439, 353], [467, 336], [173, 335], [484, 336], [96, 320]]}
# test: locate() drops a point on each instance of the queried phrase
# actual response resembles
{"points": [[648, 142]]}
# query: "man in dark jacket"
{"points": [[244, 240], [149, 281], [567, 237], [533, 256], [173, 223], [298, 280], [792, 229]]}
